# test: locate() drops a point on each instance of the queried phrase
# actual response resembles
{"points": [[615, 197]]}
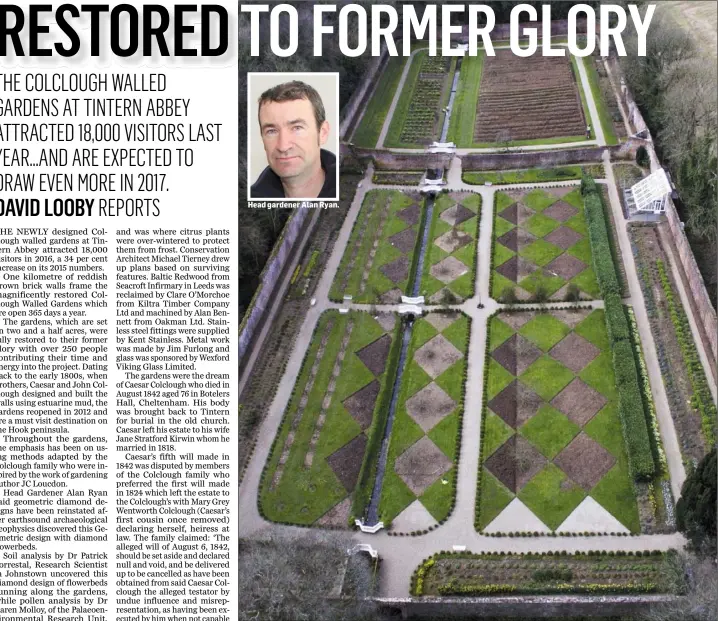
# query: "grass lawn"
{"points": [[603, 112], [463, 115], [539, 411], [494, 498], [550, 431], [551, 495], [545, 330], [415, 418], [530, 175], [547, 377], [584, 103], [378, 220], [319, 422], [372, 121]]}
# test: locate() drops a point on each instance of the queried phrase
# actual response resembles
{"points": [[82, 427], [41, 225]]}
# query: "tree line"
{"points": [[675, 88]]}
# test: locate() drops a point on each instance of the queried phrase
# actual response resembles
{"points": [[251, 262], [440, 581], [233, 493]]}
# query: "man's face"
{"points": [[291, 137]]}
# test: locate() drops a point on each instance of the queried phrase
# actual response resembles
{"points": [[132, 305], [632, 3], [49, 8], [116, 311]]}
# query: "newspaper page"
{"points": [[357, 311], [118, 198]]}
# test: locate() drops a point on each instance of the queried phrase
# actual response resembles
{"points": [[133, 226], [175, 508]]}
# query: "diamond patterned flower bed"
{"points": [[541, 246], [330, 416], [377, 260], [551, 434], [449, 263], [427, 423]]}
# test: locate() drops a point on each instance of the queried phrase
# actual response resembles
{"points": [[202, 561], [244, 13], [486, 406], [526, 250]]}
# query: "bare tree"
{"points": [[696, 582], [503, 139], [298, 579]]}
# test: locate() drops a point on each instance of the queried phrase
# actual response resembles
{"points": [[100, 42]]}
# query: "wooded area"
{"points": [[675, 87]]}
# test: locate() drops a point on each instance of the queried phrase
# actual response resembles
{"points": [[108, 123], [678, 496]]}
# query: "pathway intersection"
{"points": [[402, 554]]}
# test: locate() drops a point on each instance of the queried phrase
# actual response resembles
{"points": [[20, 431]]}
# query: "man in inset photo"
{"points": [[294, 128]]}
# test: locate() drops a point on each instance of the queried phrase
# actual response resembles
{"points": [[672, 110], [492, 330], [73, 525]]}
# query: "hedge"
{"points": [[453, 588], [633, 418], [616, 324], [624, 364], [600, 242], [630, 400]]}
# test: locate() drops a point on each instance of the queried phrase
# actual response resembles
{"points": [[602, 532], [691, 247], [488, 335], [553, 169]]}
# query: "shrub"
{"points": [[548, 575], [642, 157], [600, 245], [588, 185], [695, 511], [541, 294], [624, 364], [508, 296], [573, 293]]}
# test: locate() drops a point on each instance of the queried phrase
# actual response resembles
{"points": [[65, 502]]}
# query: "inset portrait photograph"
{"points": [[293, 136]]}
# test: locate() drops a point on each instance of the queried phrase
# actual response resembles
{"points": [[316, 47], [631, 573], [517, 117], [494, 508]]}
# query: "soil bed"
{"points": [[648, 250], [473, 574]]}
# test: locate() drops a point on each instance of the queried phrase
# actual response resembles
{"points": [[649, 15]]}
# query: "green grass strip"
{"points": [[466, 101], [584, 102], [367, 134], [603, 113], [530, 175]]}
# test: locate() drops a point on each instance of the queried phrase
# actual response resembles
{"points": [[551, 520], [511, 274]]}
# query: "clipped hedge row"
{"points": [[633, 417], [603, 263], [616, 324], [453, 588], [631, 407]]}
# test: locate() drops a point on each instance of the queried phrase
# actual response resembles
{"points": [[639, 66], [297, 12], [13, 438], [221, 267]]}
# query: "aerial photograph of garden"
{"points": [[484, 384]]}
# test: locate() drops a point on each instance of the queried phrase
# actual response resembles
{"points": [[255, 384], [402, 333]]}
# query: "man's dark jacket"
{"points": [[269, 185]]}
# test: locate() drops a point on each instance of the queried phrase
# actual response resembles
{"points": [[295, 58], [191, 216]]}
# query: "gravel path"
{"points": [[663, 413], [401, 555]]}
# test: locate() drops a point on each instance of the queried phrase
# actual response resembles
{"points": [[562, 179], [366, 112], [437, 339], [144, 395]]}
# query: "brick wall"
{"points": [[705, 313], [530, 159], [388, 160]]}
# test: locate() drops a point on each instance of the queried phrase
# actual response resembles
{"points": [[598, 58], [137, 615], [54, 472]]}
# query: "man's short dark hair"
{"points": [[291, 91]]}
